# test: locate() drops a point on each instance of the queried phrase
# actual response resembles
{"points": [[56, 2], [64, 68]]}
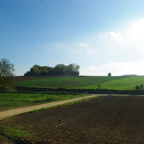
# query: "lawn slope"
{"points": [[68, 82], [127, 83]]}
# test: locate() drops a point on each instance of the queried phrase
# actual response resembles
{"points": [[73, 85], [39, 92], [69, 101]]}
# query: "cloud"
{"points": [[84, 45], [133, 32], [57, 45], [75, 52], [91, 51], [116, 69], [123, 44]]}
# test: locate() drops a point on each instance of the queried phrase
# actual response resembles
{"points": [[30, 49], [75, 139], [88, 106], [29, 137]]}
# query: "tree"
{"points": [[109, 74], [34, 71], [141, 86], [6, 73], [137, 87], [99, 86], [43, 72], [60, 69], [6, 68]]}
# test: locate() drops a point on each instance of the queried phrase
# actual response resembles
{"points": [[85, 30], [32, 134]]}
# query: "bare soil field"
{"points": [[107, 119], [25, 78]]}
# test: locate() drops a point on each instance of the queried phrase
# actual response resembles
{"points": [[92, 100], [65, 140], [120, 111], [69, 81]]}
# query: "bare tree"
{"points": [[6, 74], [6, 68]]}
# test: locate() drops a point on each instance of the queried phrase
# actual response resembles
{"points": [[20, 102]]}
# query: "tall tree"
{"points": [[60, 69], [6, 68], [109, 74], [6, 74]]}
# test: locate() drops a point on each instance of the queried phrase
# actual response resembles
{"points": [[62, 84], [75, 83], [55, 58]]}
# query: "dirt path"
{"points": [[9, 113]]}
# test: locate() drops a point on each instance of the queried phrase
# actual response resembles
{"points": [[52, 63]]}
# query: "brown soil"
{"points": [[113, 119], [25, 78]]}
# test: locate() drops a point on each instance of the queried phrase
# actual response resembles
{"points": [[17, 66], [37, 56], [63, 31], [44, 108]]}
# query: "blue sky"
{"points": [[99, 35]]}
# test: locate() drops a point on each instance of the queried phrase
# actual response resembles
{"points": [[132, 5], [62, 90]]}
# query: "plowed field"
{"points": [[107, 119]]}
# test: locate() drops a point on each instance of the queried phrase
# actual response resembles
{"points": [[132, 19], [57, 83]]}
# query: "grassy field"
{"points": [[113, 82], [128, 83], [68, 82], [11, 100]]}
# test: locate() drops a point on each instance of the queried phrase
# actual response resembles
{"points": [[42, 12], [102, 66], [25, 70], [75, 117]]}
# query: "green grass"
{"points": [[7, 104], [127, 83], [65, 104], [11, 100], [124, 84], [67, 82], [13, 133]]}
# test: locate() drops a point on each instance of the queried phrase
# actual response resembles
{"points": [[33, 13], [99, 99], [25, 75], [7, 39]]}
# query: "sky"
{"points": [[101, 36]]}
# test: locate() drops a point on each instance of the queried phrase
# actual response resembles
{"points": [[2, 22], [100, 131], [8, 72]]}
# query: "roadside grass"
{"points": [[13, 133], [65, 104], [8, 104], [11, 100], [68, 82]]}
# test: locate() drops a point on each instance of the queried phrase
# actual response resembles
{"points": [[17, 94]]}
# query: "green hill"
{"points": [[127, 83], [68, 82], [113, 82]]}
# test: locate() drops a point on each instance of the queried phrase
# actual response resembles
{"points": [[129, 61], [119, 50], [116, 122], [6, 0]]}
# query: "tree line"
{"points": [[59, 69]]}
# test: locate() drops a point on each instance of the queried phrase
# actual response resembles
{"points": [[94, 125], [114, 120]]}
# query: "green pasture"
{"points": [[124, 84], [127, 83], [113, 82], [11, 100], [68, 82], [8, 104]]}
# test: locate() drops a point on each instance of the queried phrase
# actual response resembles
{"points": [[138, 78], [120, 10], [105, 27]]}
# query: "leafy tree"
{"points": [[99, 86], [109, 74], [27, 73], [76, 73], [34, 71], [76, 67], [70, 69], [6, 73], [36, 66], [43, 72], [60, 69], [141, 86], [137, 87]]}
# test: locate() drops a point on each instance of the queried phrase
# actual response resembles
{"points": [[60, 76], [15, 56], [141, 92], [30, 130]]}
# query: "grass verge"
{"points": [[13, 100], [69, 103], [12, 133]]}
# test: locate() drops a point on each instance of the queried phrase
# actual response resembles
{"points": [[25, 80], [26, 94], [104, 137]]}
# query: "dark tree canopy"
{"points": [[139, 87], [59, 69], [109, 74]]}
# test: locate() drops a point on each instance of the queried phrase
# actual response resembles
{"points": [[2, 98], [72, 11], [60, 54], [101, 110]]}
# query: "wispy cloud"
{"points": [[84, 45], [75, 52], [91, 51]]}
